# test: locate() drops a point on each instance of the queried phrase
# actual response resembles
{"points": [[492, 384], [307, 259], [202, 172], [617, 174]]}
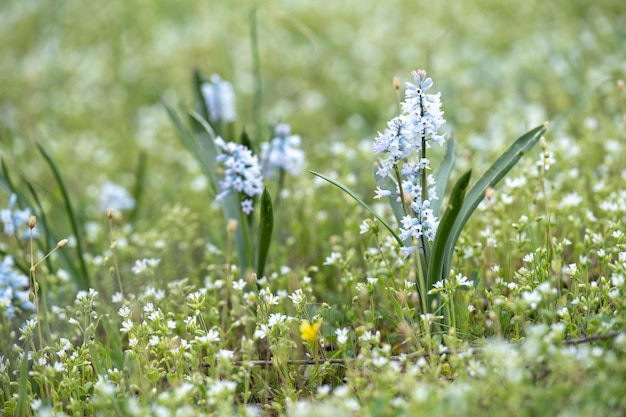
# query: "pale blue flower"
{"points": [[116, 197], [282, 152], [16, 221], [220, 99], [14, 289], [405, 138], [242, 172]]}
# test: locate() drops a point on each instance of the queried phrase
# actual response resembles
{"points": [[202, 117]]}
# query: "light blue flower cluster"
{"points": [[14, 289], [16, 221], [116, 197], [242, 172], [282, 152], [220, 99], [408, 136]]}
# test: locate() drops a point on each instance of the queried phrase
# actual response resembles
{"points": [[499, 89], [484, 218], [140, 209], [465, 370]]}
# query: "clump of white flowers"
{"points": [[404, 143]]}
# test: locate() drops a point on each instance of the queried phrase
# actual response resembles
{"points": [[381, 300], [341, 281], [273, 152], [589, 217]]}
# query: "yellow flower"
{"points": [[309, 331]]}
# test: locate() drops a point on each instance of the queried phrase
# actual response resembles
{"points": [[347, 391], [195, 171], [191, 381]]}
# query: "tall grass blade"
{"points": [[257, 97], [81, 279], [362, 203], [22, 392], [266, 226], [140, 182]]}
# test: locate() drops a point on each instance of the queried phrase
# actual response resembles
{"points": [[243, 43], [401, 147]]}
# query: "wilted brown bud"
{"points": [[407, 199], [32, 221], [396, 83], [232, 226], [253, 278], [489, 193], [110, 213], [620, 86]]}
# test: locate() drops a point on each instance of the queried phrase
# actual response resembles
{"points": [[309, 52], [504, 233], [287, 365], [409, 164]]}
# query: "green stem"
{"points": [[246, 235], [256, 71]]}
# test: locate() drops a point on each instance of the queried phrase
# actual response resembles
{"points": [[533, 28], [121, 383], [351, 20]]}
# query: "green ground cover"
{"points": [[151, 309]]}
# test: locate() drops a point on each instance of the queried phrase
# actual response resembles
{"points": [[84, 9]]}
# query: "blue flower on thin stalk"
{"points": [[406, 137], [282, 152], [116, 197], [220, 99], [242, 173], [16, 221], [14, 289]]}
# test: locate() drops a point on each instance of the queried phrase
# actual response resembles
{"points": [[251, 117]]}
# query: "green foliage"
{"points": [[532, 313]]}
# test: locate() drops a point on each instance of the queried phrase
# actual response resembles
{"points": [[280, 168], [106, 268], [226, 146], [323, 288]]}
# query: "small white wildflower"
{"points": [[124, 312], [298, 297], [333, 259], [531, 298], [145, 264], [225, 355], [117, 298], [239, 285], [127, 326], [342, 336]]}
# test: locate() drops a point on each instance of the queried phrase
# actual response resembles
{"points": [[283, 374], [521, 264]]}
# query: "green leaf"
{"points": [[205, 137], [245, 140], [232, 211], [266, 226], [442, 176], [361, 202], [82, 279], [22, 387], [490, 178], [198, 80], [140, 181], [201, 146], [444, 231]]}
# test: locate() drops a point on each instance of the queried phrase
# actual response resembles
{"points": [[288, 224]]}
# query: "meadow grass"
{"points": [[125, 289]]}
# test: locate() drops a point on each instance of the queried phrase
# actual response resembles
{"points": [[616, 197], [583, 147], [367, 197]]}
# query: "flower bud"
{"points": [[232, 226], [32, 221]]}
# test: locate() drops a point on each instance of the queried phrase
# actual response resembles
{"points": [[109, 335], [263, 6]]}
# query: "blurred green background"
{"points": [[86, 79]]}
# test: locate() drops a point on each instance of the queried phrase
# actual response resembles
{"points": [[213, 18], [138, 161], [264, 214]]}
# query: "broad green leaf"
{"points": [[442, 176], [205, 137], [266, 225], [232, 211], [198, 80], [444, 231], [245, 140], [361, 202], [490, 178], [201, 151], [81, 279]]}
